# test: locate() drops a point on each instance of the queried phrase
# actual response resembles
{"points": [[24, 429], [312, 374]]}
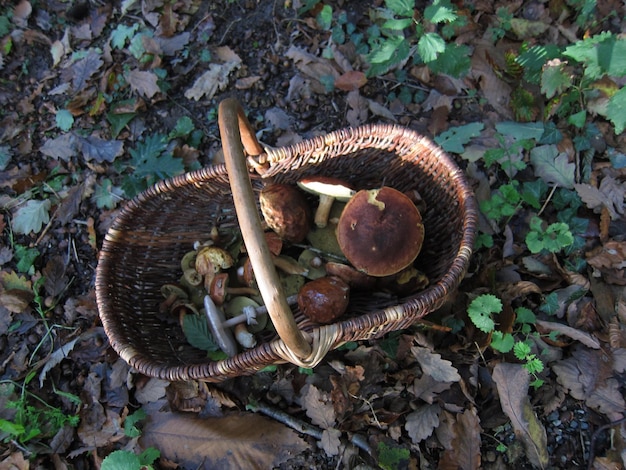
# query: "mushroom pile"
{"points": [[326, 239]]}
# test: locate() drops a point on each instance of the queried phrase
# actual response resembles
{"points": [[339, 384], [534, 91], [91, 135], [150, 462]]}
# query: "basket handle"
{"points": [[235, 130]]}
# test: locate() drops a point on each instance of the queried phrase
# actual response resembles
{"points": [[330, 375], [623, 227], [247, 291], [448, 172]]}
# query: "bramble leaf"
{"points": [[429, 46]]}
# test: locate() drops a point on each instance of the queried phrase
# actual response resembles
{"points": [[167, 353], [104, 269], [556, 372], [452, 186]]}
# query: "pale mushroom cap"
{"points": [[380, 231], [327, 186]]}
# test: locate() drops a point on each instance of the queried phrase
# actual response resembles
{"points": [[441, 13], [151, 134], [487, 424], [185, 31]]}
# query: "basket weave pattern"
{"points": [[143, 248]]}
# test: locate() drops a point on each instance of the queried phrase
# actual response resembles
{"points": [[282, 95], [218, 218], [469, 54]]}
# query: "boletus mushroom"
{"points": [[328, 189], [285, 211], [380, 231], [325, 299]]}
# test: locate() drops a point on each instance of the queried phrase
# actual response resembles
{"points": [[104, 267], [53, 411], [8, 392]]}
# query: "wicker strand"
{"points": [[323, 340]]}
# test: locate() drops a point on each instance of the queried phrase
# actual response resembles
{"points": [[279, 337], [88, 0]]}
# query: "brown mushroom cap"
{"points": [[285, 211], [324, 300], [380, 231]]}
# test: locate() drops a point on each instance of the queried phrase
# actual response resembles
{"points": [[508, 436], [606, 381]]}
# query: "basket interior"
{"points": [[144, 246]]}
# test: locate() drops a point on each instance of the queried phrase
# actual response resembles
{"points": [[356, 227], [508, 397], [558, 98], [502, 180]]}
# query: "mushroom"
{"points": [[285, 211], [171, 293], [380, 231], [220, 327], [328, 189], [311, 261], [406, 282], [236, 306], [355, 279], [324, 300], [210, 261], [219, 289]]}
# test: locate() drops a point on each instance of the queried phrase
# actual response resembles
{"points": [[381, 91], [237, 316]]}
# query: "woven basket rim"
{"points": [[398, 316]]}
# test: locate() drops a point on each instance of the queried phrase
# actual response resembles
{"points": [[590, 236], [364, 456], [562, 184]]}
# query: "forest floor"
{"points": [[100, 100]]}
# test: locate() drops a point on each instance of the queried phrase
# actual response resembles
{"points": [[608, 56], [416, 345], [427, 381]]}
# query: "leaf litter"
{"points": [[436, 392]]}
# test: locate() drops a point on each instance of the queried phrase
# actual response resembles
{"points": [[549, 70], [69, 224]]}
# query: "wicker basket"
{"points": [[143, 247]]}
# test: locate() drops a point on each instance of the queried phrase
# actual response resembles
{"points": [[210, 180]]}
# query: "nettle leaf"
{"points": [[552, 167], [31, 216], [455, 138], [430, 45], [615, 110], [480, 311], [454, 60], [555, 79], [64, 120], [401, 7], [441, 11]]}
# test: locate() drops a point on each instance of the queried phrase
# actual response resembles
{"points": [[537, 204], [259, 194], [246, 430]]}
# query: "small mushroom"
{"points": [[355, 279], [328, 189], [220, 327], [380, 231], [285, 211], [312, 261], [324, 300], [210, 261], [236, 305], [171, 293], [219, 289]]}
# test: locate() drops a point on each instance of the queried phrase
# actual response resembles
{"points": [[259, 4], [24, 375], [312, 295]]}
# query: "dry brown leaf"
{"points": [[512, 382], [358, 112], [216, 77], [239, 440], [426, 388], [610, 260], [318, 406], [15, 461], [421, 422], [496, 91], [246, 83], [316, 68], [433, 366], [351, 80], [144, 83], [609, 195], [21, 13], [330, 441], [581, 336], [152, 390]]}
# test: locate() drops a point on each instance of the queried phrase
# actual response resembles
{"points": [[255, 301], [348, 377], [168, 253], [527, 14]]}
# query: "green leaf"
{"points": [[578, 119], [121, 460], [454, 60], [525, 315], [615, 110], [521, 350], [441, 11], [121, 34], [397, 24], [392, 457], [31, 216], [533, 365], [130, 423], [601, 54], [555, 80], [454, 139], [502, 342], [325, 17], [533, 192], [106, 196], [481, 309], [5, 156], [148, 456], [184, 127], [401, 7], [429, 46], [521, 130], [533, 59], [119, 121], [552, 167], [197, 332], [26, 257], [64, 120]]}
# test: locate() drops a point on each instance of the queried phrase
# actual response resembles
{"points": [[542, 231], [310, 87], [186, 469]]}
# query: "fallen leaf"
{"points": [[358, 112], [464, 451], [318, 69], [21, 13], [496, 91], [15, 461], [553, 167], [330, 441], [610, 260], [378, 109], [152, 390], [351, 80], [433, 366], [581, 336], [63, 147], [214, 79], [83, 69], [239, 440], [609, 195], [512, 382], [426, 388], [55, 280], [144, 83], [100, 150], [421, 422], [246, 83], [318, 406]]}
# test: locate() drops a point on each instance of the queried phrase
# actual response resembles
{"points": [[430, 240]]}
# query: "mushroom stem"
{"points": [[323, 210]]}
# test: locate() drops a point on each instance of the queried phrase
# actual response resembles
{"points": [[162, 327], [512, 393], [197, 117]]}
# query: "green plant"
{"points": [[481, 312], [127, 460], [553, 238], [34, 418], [426, 40], [392, 457]]}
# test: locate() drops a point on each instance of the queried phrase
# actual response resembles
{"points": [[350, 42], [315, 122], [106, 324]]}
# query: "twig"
{"points": [[595, 435], [302, 426], [547, 200]]}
